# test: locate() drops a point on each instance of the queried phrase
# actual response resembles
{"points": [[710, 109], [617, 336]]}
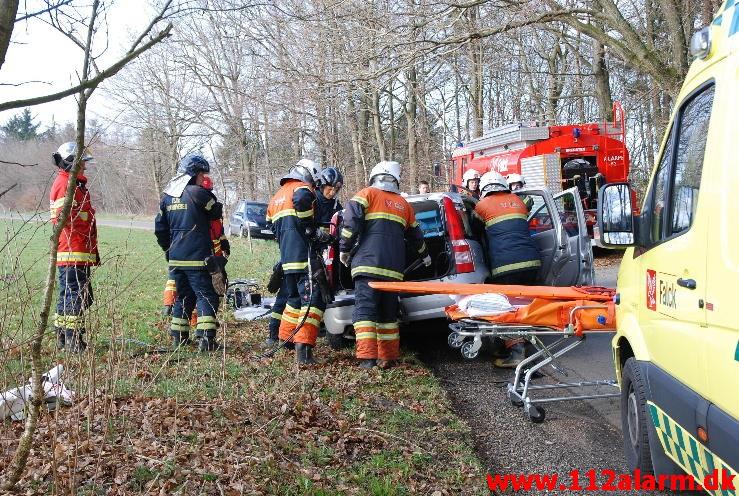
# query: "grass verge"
{"points": [[183, 423]]}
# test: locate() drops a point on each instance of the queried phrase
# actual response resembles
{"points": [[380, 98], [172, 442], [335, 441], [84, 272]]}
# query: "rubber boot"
{"points": [[74, 341], [208, 342], [272, 339], [367, 363], [60, 337], [304, 354], [288, 345], [180, 339], [518, 353], [385, 364]]}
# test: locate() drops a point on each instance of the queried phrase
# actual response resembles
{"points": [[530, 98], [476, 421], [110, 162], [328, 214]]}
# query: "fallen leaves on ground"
{"points": [[203, 425]]}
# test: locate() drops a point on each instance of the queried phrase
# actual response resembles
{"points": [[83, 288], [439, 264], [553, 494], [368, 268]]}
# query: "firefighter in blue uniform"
{"points": [[182, 229], [377, 221], [513, 255], [292, 215], [328, 185]]}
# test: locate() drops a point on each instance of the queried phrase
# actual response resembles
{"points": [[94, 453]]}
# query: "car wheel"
{"points": [[336, 341], [634, 418]]}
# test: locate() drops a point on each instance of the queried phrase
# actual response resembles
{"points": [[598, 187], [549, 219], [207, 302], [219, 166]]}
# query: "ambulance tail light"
{"points": [[463, 258]]}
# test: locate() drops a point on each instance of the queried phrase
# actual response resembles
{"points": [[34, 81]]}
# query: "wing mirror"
{"points": [[616, 215]]}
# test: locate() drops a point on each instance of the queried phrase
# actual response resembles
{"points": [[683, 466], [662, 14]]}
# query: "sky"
{"points": [[40, 53]]}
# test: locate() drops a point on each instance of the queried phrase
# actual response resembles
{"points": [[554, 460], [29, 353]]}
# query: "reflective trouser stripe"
{"points": [[180, 325], [170, 292], [530, 264], [207, 323], [365, 332], [292, 317], [75, 322], [388, 341]]}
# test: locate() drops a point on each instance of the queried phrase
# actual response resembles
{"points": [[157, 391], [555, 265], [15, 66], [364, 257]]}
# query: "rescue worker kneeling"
{"points": [[376, 222], [513, 255], [291, 214], [182, 228]]}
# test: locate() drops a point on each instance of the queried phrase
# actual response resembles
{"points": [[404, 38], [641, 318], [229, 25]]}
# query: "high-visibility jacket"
{"points": [[78, 244], [221, 244], [379, 222], [510, 246], [182, 226], [325, 209], [290, 212]]}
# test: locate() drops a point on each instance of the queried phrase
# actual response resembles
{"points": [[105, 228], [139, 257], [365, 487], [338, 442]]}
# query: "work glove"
{"points": [[275, 280], [427, 261], [226, 248], [344, 258]]}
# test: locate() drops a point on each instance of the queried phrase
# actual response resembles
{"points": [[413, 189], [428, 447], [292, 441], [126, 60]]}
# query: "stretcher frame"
{"points": [[520, 393]]}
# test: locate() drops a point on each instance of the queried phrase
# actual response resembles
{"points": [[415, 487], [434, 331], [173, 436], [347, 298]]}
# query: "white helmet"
{"points": [[64, 156], [469, 175], [305, 170], [515, 178], [386, 176], [492, 181]]}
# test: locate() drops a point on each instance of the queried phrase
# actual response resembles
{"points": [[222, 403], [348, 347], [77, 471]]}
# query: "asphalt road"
{"points": [[576, 435], [122, 223]]}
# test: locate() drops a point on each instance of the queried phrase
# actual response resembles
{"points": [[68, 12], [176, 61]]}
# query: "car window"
{"points": [[428, 216], [659, 190], [568, 214], [689, 160], [540, 218]]}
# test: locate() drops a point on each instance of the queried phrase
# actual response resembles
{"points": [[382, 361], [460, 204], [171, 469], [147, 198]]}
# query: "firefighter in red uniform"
{"points": [[77, 250], [514, 257], [377, 220], [291, 214]]}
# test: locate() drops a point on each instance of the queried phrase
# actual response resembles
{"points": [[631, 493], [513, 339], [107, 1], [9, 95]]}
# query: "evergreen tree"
{"points": [[20, 127]]}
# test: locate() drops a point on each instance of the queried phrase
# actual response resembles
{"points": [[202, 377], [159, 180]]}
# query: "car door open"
{"points": [[572, 214], [559, 261]]}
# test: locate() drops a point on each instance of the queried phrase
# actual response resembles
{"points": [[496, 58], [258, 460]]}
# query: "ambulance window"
{"points": [[660, 190], [691, 148]]}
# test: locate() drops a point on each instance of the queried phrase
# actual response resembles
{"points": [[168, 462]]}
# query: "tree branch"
{"points": [[91, 83]]}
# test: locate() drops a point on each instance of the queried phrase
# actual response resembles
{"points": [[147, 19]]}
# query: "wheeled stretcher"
{"points": [[531, 313]]}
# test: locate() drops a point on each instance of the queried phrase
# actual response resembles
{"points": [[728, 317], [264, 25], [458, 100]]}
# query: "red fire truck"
{"points": [[556, 157]]}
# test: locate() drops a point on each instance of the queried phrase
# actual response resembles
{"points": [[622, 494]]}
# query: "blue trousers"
{"points": [[75, 296], [277, 308], [194, 290]]}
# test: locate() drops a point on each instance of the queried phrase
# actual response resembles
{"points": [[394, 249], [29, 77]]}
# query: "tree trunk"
{"points": [[410, 119], [377, 123], [602, 81], [8, 12]]}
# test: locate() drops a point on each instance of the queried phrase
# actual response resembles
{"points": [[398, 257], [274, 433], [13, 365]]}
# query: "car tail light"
{"points": [[463, 258]]}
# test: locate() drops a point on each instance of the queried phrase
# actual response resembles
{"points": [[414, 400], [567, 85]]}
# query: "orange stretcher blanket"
{"points": [[589, 293], [544, 312]]}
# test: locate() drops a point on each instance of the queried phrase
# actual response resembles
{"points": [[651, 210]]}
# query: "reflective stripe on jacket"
{"points": [[380, 221], [510, 245], [78, 243], [183, 226], [289, 212]]}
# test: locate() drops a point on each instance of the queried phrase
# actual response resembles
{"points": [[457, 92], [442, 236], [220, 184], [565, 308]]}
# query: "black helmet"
{"points": [[330, 176], [192, 164]]}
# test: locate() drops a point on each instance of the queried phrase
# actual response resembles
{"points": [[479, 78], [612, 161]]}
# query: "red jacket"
{"points": [[78, 243]]}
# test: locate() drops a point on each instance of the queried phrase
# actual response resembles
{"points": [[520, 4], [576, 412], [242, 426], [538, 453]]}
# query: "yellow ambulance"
{"points": [[676, 351]]}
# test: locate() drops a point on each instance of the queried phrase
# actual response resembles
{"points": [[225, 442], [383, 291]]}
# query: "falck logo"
{"points": [[651, 289]]}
